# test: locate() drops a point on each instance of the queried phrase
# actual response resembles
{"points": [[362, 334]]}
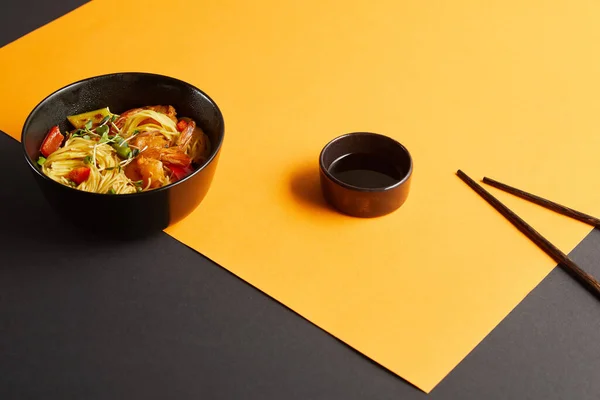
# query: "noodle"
{"points": [[198, 146], [105, 173], [145, 153], [167, 126]]}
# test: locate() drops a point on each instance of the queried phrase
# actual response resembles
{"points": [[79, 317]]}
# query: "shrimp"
{"points": [[152, 140], [151, 170], [148, 170], [192, 140], [198, 147], [175, 156], [157, 147], [186, 134], [156, 151]]}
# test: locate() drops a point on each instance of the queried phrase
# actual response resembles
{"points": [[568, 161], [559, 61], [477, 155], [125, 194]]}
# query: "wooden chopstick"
{"points": [[569, 212], [561, 258]]}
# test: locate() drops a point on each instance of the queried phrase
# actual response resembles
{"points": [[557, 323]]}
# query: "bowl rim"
{"points": [[339, 182], [215, 149]]}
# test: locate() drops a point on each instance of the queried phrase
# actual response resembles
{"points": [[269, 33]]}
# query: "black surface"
{"points": [[152, 319], [19, 17], [146, 212]]}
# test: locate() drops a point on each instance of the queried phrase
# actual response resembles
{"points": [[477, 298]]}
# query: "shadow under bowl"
{"points": [[365, 174], [127, 215]]}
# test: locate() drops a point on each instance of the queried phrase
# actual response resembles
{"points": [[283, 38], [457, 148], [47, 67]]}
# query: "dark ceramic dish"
{"points": [[365, 174], [127, 214]]}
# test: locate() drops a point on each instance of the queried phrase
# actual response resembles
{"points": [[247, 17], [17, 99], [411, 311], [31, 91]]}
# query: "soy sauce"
{"points": [[365, 170]]}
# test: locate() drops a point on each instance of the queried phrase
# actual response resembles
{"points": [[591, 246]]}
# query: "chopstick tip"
{"points": [[461, 174]]}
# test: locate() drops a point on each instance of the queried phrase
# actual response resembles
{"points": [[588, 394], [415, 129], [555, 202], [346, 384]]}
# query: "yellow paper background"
{"points": [[507, 89]]}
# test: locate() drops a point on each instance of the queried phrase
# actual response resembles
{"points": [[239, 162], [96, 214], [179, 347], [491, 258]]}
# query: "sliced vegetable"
{"points": [[123, 150], [181, 125], [179, 172], [41, 161], [96, 117], [52, 141], [79, 175]]}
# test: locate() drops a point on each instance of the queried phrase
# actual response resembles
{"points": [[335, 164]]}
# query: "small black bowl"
{"points": [[365, 174], [124, 214]]}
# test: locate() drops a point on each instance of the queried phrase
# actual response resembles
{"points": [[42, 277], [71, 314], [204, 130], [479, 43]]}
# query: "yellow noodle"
{"points": [[166, 126], [106, 168], [199, 146], [59, 164]]}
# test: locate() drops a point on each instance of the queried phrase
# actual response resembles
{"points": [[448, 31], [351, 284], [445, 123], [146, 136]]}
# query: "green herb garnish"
{"points": [[41, 160], [124, 152], [111, 191], [121, 147], [87, 160], [114, 118], [104, 120], [135, 153], [101, 130], [104, 138], [88, 125], [86, 137]]}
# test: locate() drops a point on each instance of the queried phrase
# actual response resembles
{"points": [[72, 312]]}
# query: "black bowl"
{"points": [[124, 214], [365, 174]]}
